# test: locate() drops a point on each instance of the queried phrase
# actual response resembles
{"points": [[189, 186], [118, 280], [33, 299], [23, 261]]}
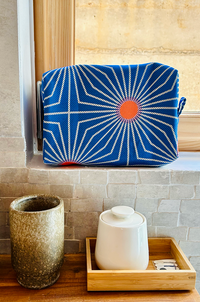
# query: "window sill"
{"points": [[187, 161]]}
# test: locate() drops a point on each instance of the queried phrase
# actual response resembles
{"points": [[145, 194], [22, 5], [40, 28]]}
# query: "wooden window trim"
{"points": [[189, 132], [54, 27]]}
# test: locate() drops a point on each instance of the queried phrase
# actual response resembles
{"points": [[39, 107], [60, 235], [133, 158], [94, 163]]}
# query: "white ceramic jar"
{"points": [[122, 241]]}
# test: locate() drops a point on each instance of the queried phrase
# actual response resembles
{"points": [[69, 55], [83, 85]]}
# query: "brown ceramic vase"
{"points": [[37, 239]]}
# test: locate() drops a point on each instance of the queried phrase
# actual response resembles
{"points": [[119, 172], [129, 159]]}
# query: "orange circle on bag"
{"points": [[128, 110]]}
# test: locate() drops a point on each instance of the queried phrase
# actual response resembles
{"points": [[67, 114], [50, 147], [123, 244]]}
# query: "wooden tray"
{"points": [[138, 280]]}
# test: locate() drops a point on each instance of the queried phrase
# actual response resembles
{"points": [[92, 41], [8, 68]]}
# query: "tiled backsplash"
{"points": [[169, 199]]}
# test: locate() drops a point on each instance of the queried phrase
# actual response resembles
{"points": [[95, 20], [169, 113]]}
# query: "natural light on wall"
{"points": [[132, 32]]}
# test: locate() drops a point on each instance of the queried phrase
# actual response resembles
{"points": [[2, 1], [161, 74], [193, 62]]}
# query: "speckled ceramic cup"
{"points": [[37, 239]]}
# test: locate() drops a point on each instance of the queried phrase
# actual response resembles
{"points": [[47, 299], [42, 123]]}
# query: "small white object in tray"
{"points": [[166, 264]]}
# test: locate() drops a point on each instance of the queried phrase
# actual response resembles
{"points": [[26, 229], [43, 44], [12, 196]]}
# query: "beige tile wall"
{"points": [[168, 198], [12, 144]]}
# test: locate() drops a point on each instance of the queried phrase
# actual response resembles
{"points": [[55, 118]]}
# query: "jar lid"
{"points": [[122, 216]]}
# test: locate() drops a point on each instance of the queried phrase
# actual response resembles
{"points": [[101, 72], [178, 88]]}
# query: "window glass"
{"points": [[141, 31]]}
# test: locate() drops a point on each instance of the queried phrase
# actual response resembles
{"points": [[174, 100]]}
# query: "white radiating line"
{"points": [[134, 142], [51, 78], [93, 154], [92, 139], [117, 99], [129, 83], [135, 95], [157, 102], [172, 156], [116, 78], [51, 155], [133, 90], [161, 114], [113, 86], [151, 159], [168, 155], [128, 145], [55, 141], [146, 121], [80, 112], [120, 150], [61, 91], [157, 108], [158, 95], [44, 76], [96, 125], [138, 96], [69, 98], [146, 165], [162, 122], [142, 100], [88, 120], [45, 140], [51, 161], [122, 72], [61, 135], [107, 154], [95, 88], [86, 103], [143, 86], [54, 88]]}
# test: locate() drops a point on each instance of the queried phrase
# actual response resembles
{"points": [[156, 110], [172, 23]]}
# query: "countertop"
{"points": [[71, 286]]}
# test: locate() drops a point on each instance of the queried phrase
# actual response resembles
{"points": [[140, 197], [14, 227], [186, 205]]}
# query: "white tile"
{"points": [[194, 234], [122, 176], [124, 191], [154, 176], [12, 159], [152, 231], [189, 219], [152, 191], [178, 233], [190, 206], [12, 144], [181, 192], [190, 248], [82, 219], [87, 205], [87, 231], [146, 204], [197, 192], [16, 175], [195, 261], [38, 177], [113, 202], [89, 191], [63, 177], [185, 177], [62, 191], [89, 177], [165, 219], [169, 206]]}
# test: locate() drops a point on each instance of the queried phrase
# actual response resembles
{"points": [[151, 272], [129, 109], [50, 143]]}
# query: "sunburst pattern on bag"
{"points": [[110, 115]]}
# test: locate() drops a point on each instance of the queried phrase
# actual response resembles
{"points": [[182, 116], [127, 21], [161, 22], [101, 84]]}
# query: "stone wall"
{"points": [[170, 200], [11, 142], [133, 32]]}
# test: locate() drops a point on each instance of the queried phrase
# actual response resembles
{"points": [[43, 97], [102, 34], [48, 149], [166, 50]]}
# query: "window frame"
{"points": [[46, 12]]}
